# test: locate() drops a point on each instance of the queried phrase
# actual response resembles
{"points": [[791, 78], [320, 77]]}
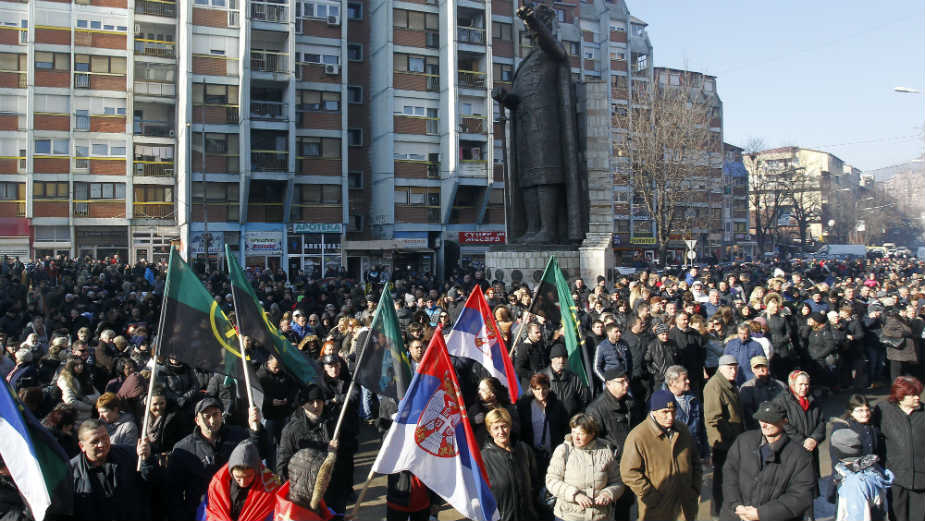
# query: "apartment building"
{"points": [[321, 135], [737, 240], [821, 192]]}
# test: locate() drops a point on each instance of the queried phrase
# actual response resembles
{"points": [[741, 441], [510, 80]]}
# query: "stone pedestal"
{"points": [[596, 257], [525, 264]]}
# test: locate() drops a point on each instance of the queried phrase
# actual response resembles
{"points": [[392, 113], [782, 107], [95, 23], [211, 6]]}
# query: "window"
{"points": [[355, 180], [153, 194], [117, 151], [354, 10], [58, 61], [316, 100], [415, 64], [100, 150], [503, 72], [319, 194], [354, 94], [52, 146], [638, 29], [501, 31], [401, 196], [355, 52], [220, 143], [591, 53], [616, 54], [49, 190], [571, 48], [99, 64], [675, 79], [104, 190], [355, 137], [356, 223], [82, 155], [620, 82], [11, 191], [210, 94], [415, 20], [708, 85], [642, 62], [15, 62], [312, 147], [621, 226], [621, 197]]}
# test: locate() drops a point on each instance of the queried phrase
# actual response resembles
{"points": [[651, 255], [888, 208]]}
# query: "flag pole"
{"points": [[247, 374], [362, 496], [353, 380], [157, 348]]}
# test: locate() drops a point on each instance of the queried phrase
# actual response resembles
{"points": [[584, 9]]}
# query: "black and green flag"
{"points": [[255, 323], [383, 366], [195, 329], [553, 302]]}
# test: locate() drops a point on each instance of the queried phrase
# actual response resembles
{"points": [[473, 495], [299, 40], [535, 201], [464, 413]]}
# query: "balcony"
{"points": [[13, 79], [156, 8], [156, 89], [473, 124], [154, 168], [270, 12], [269, 61], [100, 208], [471, 79], [13, 208], [149, 128], [269, 110], [472, 35], [270, 160], [156, 48], [153, 210], [473, 168]]}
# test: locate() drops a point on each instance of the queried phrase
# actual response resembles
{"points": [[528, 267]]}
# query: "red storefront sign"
{"points": [[481, 238]]}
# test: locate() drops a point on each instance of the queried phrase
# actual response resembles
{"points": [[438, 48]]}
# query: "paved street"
{"points": [[373, 507]]}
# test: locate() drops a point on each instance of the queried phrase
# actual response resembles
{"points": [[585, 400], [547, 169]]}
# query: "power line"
{"points": [[893, 139]]}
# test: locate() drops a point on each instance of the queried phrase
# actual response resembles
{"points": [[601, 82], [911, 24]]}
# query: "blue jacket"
{"points": [[743, 351], [609, 356], [862, 490], [690, 413]]}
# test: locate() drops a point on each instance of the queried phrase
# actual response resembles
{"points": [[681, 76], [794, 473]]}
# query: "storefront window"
{"points": [[317, 254]]}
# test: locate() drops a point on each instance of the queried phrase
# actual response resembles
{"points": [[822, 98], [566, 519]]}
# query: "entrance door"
{"points": [[142, 254], [354, 267]]}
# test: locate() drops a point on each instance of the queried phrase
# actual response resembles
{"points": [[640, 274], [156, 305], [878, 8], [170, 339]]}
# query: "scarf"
{"points": [[791, 381], [804, 402]]}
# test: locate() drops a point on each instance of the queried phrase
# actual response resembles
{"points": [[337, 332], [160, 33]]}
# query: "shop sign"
{"points": [[197, 244], [263, 243], [642, 240], [481, 238], [411, 242], [316, 227]]}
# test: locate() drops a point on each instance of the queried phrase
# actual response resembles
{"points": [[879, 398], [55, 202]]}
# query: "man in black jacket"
{"points": [[767, 475], [199, 455], [566, 385], [531, 356], [105, 481], [691, 350]]}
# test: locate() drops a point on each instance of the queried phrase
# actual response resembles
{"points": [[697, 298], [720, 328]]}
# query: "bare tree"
{"points": [[671, 149], [805, 202], [768, 193]]}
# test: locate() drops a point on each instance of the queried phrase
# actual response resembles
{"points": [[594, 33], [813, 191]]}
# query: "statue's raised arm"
{"points": [[541, 33]]}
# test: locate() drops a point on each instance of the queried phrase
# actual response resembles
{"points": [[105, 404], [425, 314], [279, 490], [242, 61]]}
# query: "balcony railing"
{"points": [[81, 80], [156, 89], [269, 110], [154, 168], [475, 35], [265, 212], [156, 8], [473, 124], [152, 210], [471, 79], [21, 81], [269, 61], [270, 160], [157, 48], [270, 12], [153, 128], [473, 168], [84, 208]]}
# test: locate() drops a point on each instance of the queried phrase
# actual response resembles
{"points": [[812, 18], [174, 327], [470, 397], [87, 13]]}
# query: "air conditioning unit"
{"points": [[334, 20], [172, 133], [332, 69], [137, 28]]}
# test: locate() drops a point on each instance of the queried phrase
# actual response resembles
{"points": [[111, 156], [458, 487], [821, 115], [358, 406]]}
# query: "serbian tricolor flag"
{"points": [[432, 438], [476, 336]]}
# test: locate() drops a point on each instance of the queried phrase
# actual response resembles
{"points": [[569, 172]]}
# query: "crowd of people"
{"points": [[721, 368]]}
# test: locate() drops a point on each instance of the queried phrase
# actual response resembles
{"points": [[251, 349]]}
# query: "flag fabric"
{"points": [[196, 330], [432, 438], [475, 335], [254, 322], [383, 366], [37, 463], [553, 302]]}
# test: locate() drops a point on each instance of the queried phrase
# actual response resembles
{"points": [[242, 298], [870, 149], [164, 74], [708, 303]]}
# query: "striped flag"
{"points": [[37, 464]]}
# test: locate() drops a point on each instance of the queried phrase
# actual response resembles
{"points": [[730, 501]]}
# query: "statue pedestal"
{"points": [[596, 257], [524, 264]]}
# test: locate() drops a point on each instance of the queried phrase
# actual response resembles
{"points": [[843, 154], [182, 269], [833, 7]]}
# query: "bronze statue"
{"points": [[546, 193]]}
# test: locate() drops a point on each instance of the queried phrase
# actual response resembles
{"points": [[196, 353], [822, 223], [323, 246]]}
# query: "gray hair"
{"points": [[674, 372]]}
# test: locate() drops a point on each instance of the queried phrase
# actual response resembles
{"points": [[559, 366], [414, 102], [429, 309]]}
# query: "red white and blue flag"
{"points": [[431, 437], [476, 336]]}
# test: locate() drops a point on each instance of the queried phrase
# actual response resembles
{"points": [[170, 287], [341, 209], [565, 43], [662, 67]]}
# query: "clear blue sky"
{"points": [[818, 73]]}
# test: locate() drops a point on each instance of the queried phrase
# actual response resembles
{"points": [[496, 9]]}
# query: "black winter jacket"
{"points": [[515, 480], [126, 495], [902, 442], [301, 433], [781, 489], [555, 413], [802, 424], [569, 389], [615, 418], [194, 461]]}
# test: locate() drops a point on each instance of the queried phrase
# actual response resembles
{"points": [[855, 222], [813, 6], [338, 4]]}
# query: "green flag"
{"points": [[255, 323], [383, 366], [195, 329], [553, 302]]}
